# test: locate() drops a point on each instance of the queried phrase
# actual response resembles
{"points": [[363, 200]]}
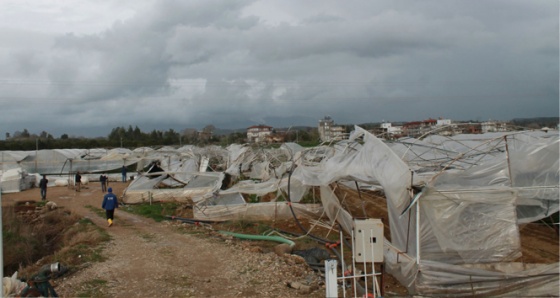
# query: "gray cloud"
{"points": [[174, 65]]}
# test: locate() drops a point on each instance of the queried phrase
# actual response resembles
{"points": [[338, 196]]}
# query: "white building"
{"points": [[391, 130], [258, 133], [443, 122], [329, 132], [493, 126], [386, 125], [449, 129]]}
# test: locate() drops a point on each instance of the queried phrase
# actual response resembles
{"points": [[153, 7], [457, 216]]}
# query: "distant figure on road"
{"points": [[106, 181], [123, 172], [103, 180], [110, 202], [78, 180], [43, 185]]}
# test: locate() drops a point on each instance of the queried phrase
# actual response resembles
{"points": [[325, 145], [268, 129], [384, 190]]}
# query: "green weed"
{"points": [[93, 288], [156, 211]]}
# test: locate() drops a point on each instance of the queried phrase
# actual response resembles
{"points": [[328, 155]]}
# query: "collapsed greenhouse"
{"points": [[454, 204]]}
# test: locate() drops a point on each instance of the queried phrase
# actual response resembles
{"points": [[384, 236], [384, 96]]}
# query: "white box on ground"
{"points": [[368, 240]]}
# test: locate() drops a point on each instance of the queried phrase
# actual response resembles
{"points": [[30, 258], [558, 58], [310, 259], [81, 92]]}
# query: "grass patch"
{"points": [[261, 228], [93, 288], [188, 230], [97, 211], [81, 244], [245, 227], [85, 231], [252, 198], [311, 197], [156, 211], [239, 225], [74, 256]]}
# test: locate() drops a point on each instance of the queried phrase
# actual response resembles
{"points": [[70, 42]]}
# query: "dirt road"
{"points": [[150, 259]]}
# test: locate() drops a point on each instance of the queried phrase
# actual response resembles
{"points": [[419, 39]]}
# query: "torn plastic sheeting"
{"points": [[161, 195], [253, 187], [12, 286], [435, 279], [373, 161], [257, 211], [469, 227], [334, 210]]}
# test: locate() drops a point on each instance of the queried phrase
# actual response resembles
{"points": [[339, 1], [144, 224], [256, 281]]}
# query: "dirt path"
{"points": [[149, 259]]}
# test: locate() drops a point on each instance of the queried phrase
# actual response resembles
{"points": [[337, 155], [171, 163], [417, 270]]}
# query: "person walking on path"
{"points": [[103, 179], [110, 202], [106, 181], [123, 172], [43, 185], [78, 180]]}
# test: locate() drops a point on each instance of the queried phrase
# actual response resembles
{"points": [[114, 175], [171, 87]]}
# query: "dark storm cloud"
{"points": [[235, 63]]}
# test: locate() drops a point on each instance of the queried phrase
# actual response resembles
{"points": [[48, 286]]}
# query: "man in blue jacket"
{"points": [[110, 202]]}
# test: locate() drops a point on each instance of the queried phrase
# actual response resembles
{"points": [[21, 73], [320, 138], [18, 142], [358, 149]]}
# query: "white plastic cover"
{"points": [[477, 190]]}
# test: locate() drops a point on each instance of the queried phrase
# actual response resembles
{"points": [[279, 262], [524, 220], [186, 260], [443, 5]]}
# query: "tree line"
{"points": [[133, 138]]}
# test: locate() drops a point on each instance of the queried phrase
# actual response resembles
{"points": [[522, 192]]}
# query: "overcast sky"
{"points": [[83, 67]]}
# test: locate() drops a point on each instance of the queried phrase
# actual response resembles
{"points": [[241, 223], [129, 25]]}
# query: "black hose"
{"points": [[295, 217], [193, 220], [337, 255], [344, 238], [299, 235], [188, 221], [318, 267], [332, 248]]}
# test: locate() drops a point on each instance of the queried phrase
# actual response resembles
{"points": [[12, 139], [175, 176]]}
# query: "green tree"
{"points": [[170, 137], [190, 136], [137, 134], [21, 134], [45, 135]]}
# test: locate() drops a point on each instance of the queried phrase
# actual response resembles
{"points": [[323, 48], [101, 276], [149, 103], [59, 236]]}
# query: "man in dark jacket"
{"points": [[123, 173], [103, 180], [43, 185], [110, 202], [78, 181]]}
